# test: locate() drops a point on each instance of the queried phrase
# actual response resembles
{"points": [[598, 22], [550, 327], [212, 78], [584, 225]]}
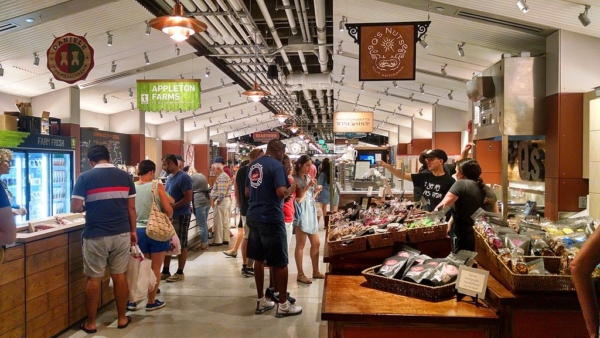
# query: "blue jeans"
{"points": [[202, 222]]}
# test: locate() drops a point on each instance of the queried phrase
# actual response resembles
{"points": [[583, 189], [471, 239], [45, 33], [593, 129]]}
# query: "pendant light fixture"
{"points": [[177, 26], [293, 128], [282, 116]]}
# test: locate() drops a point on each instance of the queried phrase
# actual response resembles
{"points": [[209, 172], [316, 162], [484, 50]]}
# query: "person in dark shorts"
{"points": [[267, 186], [178, 186]]}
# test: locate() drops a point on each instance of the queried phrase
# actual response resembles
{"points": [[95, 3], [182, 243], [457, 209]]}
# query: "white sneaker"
{"points": [[288, 309], [263, 305]]}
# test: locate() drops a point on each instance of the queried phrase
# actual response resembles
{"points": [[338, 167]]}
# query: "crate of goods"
{"points": [[30, 124], [404, 288], [425, 230], [54, 126], [387, 238], [355, 244]]}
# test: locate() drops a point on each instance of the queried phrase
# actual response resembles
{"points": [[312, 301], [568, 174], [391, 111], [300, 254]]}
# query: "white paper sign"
{"points": [[471, 281], [380, 192], [377, 157], [370, 191]]}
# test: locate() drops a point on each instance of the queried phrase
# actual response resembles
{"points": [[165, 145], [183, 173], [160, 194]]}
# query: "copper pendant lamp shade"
{"points": [[255, 94], [282, 116], [177, 26]]}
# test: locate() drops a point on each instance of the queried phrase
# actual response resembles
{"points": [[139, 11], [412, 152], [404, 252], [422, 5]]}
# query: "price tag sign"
{"points": [[380, 192], [377, 157], [370, 191], [471, 281]]}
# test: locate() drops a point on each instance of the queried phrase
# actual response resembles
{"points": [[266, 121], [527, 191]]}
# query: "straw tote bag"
{"points": [[159, 228]]}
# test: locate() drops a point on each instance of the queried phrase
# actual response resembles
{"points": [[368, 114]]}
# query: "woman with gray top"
{"points": [[201, 202]]}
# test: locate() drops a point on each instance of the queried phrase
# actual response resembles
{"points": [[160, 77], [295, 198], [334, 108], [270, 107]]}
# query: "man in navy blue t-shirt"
{"points": [[109, 232], [178, 186], [267, 185]]}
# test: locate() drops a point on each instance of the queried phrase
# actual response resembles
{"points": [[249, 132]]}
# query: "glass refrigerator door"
{"points": [[16, 184], [39, 178], [61, 183]]}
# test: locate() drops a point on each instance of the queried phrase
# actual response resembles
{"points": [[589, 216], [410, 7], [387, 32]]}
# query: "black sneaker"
{"points": [[275, 296], [247, 273]]}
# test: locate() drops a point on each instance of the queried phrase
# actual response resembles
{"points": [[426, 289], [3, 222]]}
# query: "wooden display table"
{"points": [[353, 309], [354, 262]]}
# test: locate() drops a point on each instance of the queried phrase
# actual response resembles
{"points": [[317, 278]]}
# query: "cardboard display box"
{"points": [[8, 122]]}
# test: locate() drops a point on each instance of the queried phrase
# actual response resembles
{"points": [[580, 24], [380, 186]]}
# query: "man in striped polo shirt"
{"points": [[107, 195]]}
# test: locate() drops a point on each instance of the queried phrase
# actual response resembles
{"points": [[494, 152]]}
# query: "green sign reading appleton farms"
{"points": [[169, 95]]}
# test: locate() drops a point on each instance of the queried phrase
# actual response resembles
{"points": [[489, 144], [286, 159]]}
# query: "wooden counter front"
{"points": [[353, 309]]}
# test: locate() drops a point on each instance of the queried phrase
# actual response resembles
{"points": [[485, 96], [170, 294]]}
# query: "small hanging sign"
{"points": [[70, 58], [387, 50]]}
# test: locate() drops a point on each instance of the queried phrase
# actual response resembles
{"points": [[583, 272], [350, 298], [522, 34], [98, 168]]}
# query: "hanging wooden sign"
{"points": [[387, 50]]}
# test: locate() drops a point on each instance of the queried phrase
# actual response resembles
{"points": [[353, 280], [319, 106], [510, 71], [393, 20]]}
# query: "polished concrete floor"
{"points": [[215, 300]]}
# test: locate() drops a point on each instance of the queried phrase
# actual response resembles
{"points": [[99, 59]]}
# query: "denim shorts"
{"points": [[150, 246], [267, 243], [111, 251]]}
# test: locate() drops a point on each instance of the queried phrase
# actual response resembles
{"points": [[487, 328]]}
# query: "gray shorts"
{"points": [[108, 250]]}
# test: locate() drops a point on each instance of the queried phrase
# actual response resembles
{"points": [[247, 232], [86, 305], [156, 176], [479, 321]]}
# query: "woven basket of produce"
{"points": [[404, 288], [388, 238], [347, 245], [425, 230]]}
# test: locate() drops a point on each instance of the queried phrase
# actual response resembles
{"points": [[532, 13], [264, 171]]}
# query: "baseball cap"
{"points": [[219, 159], [439, 153], [422, 156], [179, 158]]}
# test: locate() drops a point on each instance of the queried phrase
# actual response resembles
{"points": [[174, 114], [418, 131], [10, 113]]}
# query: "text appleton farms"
{"points": [[170, 91]]}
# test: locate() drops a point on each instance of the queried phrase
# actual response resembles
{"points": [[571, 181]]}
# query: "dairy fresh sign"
{"points": [[169, 95], [356, 122]]}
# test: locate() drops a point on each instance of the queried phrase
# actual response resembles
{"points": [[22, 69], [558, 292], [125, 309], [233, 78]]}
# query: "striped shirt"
{"points": [[105, 190]]}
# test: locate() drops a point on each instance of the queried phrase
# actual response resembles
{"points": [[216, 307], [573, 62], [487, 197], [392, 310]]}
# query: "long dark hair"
{"points": [[299, 163], [471, 170], [326, 169]]}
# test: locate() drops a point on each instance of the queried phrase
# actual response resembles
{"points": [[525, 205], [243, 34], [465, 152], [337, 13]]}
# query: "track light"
{"points": [[1, 70], [219, 99], [113, 67], [132, 106], [378, 102], [450, 95], [160, 113], [176, 119], [211, 110], [194, 115], [130, 92], [177, 50], [148, 28], [51, 84], [400, 107], [194, 124], [36, 59], [104, 98], [443, 69], [362, 87], [222, 83], [109, 42], [340, 50], [421, 112], [422, 41], [181, 76], [522, 4], [436, 102], [422, 88], [411, 97], [146, 58], [395, 84], [583, 17], [210, 120], [180, 111], [344, 71], [461, 52], [342, 22], [386, 92], [207, 72]]}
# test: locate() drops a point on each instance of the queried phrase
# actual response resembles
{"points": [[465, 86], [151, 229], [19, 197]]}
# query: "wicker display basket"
{"points": [[416, 235], [350, 245], [483, 248], [400, 287], [387, 238]]}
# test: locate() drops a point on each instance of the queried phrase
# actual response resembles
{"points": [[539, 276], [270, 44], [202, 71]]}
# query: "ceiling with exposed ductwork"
{"points": [[317, 63]]}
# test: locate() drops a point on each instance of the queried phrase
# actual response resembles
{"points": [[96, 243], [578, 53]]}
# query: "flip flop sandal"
{"points": [[126, 324], [303, 279], [88, 331]]}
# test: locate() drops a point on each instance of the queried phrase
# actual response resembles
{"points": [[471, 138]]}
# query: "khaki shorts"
{"points": [[111, 251]]}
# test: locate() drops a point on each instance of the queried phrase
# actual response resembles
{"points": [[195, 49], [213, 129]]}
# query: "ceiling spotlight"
{"points": [[443, 69], [1, 70], [51, 84], [344, 71], [422, 88], [160, 113], [194, 124], [362, 87], [421, 112], [583, 17], [176, 119], [411, 97], [522, 4], [211, 110], [342, 22], [132, 106], [386, 92], [113, 67], [422, 41], [207, 72], [210, 120], [436, 102], [36, 59], [104, 98], [400, 107], [379, 102], [395, 84], [450, 95], [222, 83], [130, 92], [148, 28], [461, 52], [180, 111], [340, 50], [219, 99], [177, 50], [146, 58], [178, 26], [109, 42]]}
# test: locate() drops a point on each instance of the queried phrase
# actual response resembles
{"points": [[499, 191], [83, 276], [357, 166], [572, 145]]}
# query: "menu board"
{"points": [[118, 146]]}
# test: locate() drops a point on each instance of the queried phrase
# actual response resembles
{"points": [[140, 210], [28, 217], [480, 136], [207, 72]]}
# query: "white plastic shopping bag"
{"points": [[175, 248], [140, 277]]}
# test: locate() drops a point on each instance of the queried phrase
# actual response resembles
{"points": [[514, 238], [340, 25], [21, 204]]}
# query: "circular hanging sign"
{"points": [[70, 58]]}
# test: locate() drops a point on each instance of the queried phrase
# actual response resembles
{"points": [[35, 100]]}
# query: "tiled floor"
{"points": [[216, 301]]}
